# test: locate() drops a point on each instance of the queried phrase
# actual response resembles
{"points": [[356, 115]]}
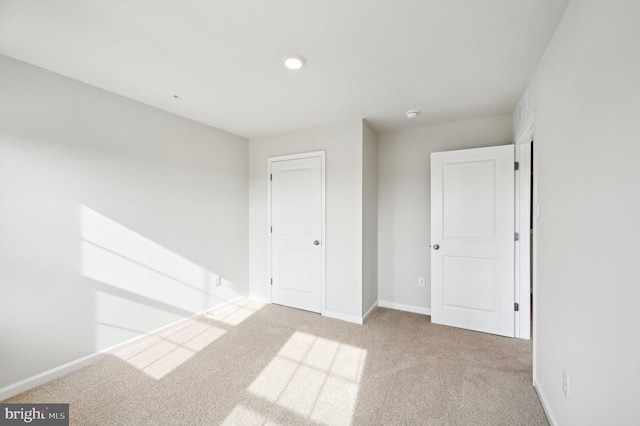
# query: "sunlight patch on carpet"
{"points": [[159, 355], [236, 312], [315, 378], [242, 415]]}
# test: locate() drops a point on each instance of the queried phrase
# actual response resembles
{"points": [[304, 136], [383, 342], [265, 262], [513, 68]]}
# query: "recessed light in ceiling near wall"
{"points": [[412, 114], [294, 61]]}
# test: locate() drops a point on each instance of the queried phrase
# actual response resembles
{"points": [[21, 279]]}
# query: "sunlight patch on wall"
{"points": [[160, 354], [115, 255], [118, 319], [314, 377]]}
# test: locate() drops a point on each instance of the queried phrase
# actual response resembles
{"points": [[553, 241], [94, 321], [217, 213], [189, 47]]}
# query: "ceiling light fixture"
{"points": [[294, 61], [412, 114]]}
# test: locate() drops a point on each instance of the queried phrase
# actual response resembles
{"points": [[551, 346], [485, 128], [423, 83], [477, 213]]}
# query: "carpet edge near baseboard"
{"points": [[62, 370], [403, 307]]}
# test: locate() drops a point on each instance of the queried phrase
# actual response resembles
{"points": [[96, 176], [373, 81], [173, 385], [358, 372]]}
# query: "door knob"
{"points": [[316, 243], [436, 246]]}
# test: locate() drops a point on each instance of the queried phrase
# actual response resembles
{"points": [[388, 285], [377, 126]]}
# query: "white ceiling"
{"points": [[373, 59]]}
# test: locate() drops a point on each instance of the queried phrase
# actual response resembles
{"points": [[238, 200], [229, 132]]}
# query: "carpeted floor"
{"points": [[255, 364]]}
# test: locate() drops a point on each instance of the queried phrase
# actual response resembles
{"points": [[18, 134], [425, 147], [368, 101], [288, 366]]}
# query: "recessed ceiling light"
{"points": [[294, 61], [412, 114]]}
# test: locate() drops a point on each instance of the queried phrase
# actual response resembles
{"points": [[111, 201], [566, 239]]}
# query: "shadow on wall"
{"points": [[139, 285], [86, 283]]}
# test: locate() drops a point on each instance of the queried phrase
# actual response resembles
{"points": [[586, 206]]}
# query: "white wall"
{"points": [[343, 245], [369, 217], [586, 93], [114, 216], [404, 201]]}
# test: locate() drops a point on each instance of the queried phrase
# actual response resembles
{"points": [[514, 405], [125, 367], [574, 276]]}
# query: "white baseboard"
{"points": [[403, 307], [369, 312], [330, 314], [49, 375], [260, 299], [344, 317], [545, 404], [64, 369]]}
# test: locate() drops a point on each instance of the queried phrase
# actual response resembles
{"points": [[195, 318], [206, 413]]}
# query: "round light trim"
{"points": [[294, 61], [412, 114]]}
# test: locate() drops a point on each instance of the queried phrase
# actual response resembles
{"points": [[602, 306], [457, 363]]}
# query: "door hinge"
{"points": [[517, 166], [517, 307], [271, 177], [271, 229], [271, 281], [517, 236]]}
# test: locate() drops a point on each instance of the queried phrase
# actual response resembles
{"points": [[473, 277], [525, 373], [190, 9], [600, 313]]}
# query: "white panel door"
{"points": [[472, 239], [296, 220]]}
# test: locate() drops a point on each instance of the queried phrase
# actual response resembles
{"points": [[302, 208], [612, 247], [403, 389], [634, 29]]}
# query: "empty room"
{"points": [[418, 212]]}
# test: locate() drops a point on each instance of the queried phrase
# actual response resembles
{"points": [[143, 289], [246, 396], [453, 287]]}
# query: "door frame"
{"points": [[525, 259], [270, 161]]}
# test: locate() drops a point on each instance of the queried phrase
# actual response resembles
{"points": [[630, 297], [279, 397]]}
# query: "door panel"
{"points": [[295, 269], [472, 229], [482, 295], [296, 220], [469, 200]]}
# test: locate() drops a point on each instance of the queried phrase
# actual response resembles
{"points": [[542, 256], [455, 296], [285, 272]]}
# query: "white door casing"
{"points": [[296, 230], [472, 238], [526, 198], [523, 245]]}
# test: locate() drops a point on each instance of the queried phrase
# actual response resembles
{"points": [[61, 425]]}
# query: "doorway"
{"points": [[296, 199], [482, 219], [527, 213]]}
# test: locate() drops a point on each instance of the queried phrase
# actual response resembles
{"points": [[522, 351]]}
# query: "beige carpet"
{"points": [[255, 364]]}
